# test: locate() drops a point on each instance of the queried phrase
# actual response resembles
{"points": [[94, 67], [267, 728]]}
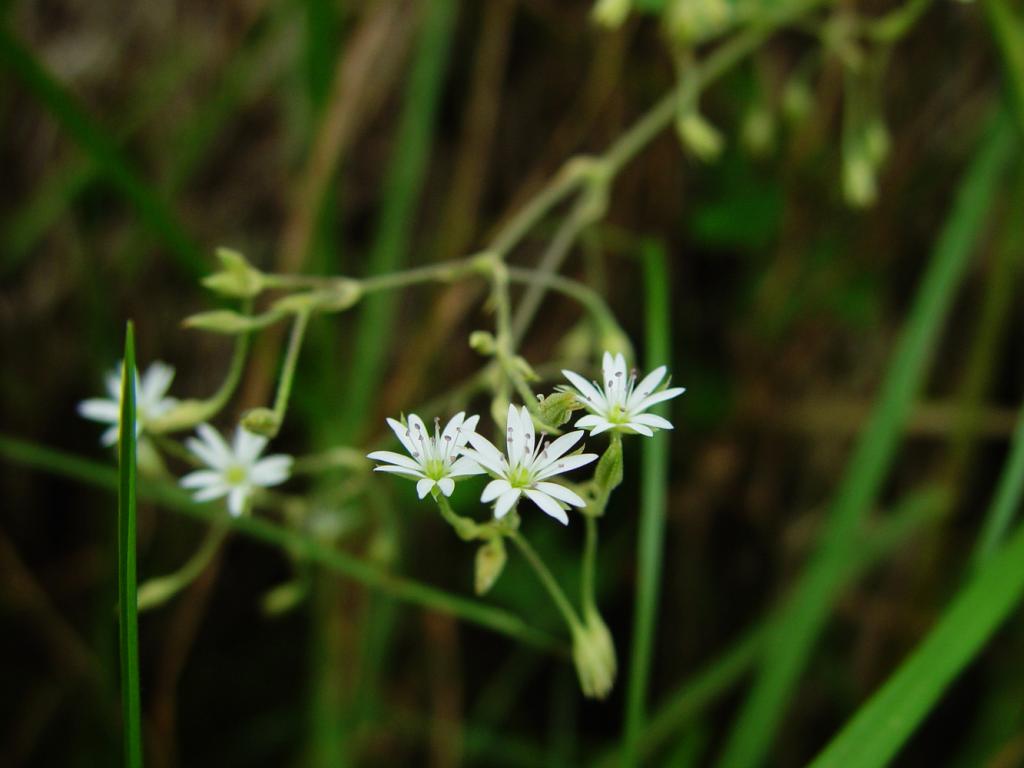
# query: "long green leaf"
{"points": [[653, 490], [287, 539], [128, 628], [792, 642], [878, 730], [152, 209]]}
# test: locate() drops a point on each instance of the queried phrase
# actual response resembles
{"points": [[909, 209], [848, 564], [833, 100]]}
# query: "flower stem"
{"points": [[588, 595], [572, 619], [466, 528], [158, 591]]}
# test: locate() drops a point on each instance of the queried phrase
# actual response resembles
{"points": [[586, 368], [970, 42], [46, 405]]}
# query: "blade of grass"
{"points": [[718, 676], [653, 490], [128, 628], [880, 727], [791, 643], [72, 115], [174, 498], [1007, 499], [402, 188]]}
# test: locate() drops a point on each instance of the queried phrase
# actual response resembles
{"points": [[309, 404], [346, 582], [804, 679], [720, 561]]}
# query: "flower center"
{"points": [[434, 469], [235, 475], [519, 477], [617, 414]]}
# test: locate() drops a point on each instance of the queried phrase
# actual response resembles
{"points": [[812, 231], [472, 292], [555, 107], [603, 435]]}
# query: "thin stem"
{"points": [[572, 619], [284, 388], [556, 190], [589, 568], [158, 591]]}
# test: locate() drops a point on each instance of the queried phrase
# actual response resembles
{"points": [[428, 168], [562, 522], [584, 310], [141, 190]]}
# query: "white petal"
{"points": [[651, 420], [486, 455], [272, 470], [212, 492], [216, 447], [423, 486], [464, 467], [248, 446], [658, 397], [403, 438], [561, 493], [155, 382], [607, 368], [548, 505], [403, 471], [103, 411], [557, 449], [109, 437], [447, 485], [468, 428], [200, 478], [505, 502], [647, 385], [420, 436], [493, 490], [640, 429], [602, 428], [587, 390], [529, 436], [566, 464], [394, 458], [515, 440], [590, 421], [236, 500], [454, 425]]}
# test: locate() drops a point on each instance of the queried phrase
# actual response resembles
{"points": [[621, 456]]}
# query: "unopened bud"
{"points": [[262, 421], [556, 409], [483, 342], [699, 136], [490, 562], [238, 278], [610, 13], [226, 321]]}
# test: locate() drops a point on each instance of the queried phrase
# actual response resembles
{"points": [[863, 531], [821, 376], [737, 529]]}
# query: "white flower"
{"points": [[434, 460], [234, 471], [527, 467], [151, 400], [620, 404]]}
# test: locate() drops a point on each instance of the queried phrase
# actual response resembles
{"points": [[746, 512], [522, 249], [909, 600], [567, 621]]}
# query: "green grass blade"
{"points": [[653, 483], [289, 540], [402, 189], [128, 627], [791, 644], [878, 730], [1007, 499], [152, 209]]}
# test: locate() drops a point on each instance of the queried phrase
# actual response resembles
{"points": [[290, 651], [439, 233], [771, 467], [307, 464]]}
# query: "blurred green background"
{"points": [[845, 320]]}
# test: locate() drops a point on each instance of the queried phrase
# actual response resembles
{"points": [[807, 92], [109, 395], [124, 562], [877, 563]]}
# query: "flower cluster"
{"points": [[528, 465], [234, 470]]}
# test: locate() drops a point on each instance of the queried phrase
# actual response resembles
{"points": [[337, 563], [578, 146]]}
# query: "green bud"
{"points": [[228, 321], [185, 414], [876, 141], [499, 410], [860, 187], [610, 13], [615, 341], [262, 421], [524, 368], [758, 131], [797, 99], [490, 562], [283, 598], [343, 294], [557, 408], [483, 342], [593, 654], [699, 136], [692, 21], [238, 278]]}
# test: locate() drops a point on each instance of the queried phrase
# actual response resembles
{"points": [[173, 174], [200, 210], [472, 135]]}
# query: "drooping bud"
{"points": [[238, 278], [490, 562], [262, 421], [610, 13], [483, 342], [593, 654], [557, 408], [227, 321], [699, 136]]}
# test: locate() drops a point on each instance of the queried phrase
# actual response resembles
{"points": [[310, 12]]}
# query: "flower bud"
{"points": [[238, 278], [483, 342], [261, 421], [758, 131], [610, 13], [490, 562], [692, 21], [556, 409], [699, 136], [227, 321], [593, 654], [859, 184]]}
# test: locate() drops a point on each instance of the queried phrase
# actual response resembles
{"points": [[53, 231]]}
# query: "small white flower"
{"points": [[151, 400], [620, 404], [434, 460], [526, 468], [234, 471]]}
